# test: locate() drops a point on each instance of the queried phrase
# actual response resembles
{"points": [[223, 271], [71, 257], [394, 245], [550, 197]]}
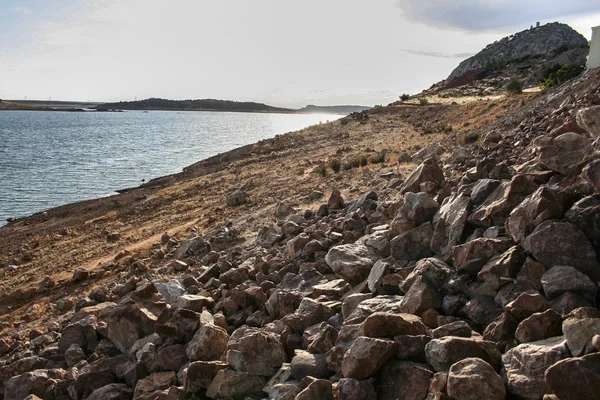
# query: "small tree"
{"points": [[404, 97], [514, 86]]}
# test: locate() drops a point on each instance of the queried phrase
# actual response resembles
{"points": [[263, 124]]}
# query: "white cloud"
{"points": [[21, 10]]}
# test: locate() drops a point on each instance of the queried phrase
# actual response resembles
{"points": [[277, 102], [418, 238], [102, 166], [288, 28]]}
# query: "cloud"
{"points": [[437, 54], [21, 10], [488, 15]]}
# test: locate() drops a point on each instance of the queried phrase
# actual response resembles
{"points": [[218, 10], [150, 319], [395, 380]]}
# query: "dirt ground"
{"points": [[40, 253]]}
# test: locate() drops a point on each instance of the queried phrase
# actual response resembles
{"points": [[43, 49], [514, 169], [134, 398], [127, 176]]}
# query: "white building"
{"points": [[594, 56]]}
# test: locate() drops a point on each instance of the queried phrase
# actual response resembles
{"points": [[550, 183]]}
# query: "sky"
{"points": [[286, 53]]}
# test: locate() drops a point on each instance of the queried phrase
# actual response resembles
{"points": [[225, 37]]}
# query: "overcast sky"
{"points": [[281, 52]]}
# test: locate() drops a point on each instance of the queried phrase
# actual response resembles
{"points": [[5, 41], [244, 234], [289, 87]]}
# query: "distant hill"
{"points": [[192, 105], [550, 39], [332, 109]]}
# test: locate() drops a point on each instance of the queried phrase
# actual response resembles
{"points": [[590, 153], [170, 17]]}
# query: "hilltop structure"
{"points": [[594, 56]]}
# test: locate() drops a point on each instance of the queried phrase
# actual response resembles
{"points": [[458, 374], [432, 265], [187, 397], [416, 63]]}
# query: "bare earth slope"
{"points": [[471, 251]]}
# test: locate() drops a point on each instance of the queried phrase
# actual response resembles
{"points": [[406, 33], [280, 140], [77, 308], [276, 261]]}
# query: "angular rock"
{"points": [[559, 280], [449, 223], [306, 364], [586, 215], [254, 345], [524, 366], [526, 305], [318, 389], [412, 244], [562, 243], [429, 170], [482, 189], [178, 323], [310, 312], [336, 201], [592, 173], [458, 328], [127, 323], [501, 269], [470, 257], [497, 207], [575, 378], [199, 374], [589, 119], [443, 353], [474, 379], [419, 207], [481, 309], [209, 343], [543, 204], [353, 389], [565, 154], [539, 326], [378, 272], [81, 333], [366, 356], [388, 325], [420, 297], [404, 380], [579, 334], [194, 302], [171, 358], [411, 347], [114, 391], [34, 382], [154, 382], [234, 384], [236, 198], [352, 262]]}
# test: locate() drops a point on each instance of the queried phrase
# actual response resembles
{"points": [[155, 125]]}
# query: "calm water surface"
{"points": [[49, 159]]}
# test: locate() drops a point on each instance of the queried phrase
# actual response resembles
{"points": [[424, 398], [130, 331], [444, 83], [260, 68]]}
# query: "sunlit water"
{"points": [[49, 159]]}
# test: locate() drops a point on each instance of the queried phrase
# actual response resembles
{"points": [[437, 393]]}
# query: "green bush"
{"points": [[437, 129], [323, 172], [335, 165], [423, 101], [514, 86], [364, 161], [557, 75], [404, 97]]}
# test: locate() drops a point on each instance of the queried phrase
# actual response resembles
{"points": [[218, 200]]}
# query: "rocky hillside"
{"points": [[537, 41], [475, 277]]}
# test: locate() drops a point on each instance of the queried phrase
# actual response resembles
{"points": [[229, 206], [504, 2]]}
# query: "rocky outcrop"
{"points": [[531, 42]]}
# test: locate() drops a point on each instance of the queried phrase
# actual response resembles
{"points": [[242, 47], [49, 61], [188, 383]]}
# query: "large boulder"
{"points": [[235, 385], [575, 378], [366, 356], [444, 352], [34, 382], [389, 325], [560, 280], [352, 262], [579, 334], [310, 312], [428, 171], [419, 207], [589, 119], [81, 333], [404, 380], [254, 345], [543, 204], [527, 304], [127, 323], [449, 223], [497, 207], [412, 244], [562, 243], [209, 343], [305, 364], [474, 379], [539, 326], [470, 257], [353, 389], [586, 215], [565, 154], [524, 366], [199, 374]]}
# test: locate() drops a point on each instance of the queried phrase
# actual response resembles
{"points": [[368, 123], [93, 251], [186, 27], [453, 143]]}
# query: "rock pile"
{"points": [[476, 278]]}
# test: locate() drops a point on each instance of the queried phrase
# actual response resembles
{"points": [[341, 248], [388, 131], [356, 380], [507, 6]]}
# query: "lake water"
{"points": [[49, 159]]}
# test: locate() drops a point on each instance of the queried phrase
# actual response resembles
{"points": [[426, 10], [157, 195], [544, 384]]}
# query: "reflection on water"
{"points": [[52, 158]]}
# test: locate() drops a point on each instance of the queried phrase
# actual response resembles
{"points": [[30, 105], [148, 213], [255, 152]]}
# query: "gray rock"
{"points": [[482, 189], [352, 262], [429, 170], [234, 384], [412, 244], [470, 257], [353, 389], [589, 119], [524, 366], [419, 207], [526, 305], [34, 382], [306, 364], [127, 323], [565, 154], [199, 374], [236, 198], [317, 389], [208, 344], [449, 223], [539, 326], [586, 215], [579, 334]]}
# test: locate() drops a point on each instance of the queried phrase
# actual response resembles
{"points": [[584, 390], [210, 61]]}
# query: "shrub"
{"points": [[379, 158], [471, 138], [335, 165], [323, 172], [423, 101], [514, 86], [364, 161], [437, 129], [557, 75], [404, 97]]}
